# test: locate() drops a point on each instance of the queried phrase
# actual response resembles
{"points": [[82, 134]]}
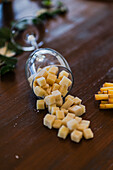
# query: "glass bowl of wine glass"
{"points": [[44, 58]]}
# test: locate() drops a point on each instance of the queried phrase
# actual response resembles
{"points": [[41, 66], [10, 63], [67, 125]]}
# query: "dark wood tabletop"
{"points": [[85, 38]]}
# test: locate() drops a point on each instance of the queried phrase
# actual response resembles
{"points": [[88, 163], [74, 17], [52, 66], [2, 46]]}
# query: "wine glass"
{"points": [[28, 35]]}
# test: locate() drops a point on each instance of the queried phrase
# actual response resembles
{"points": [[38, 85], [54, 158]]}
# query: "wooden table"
{"points": [[85, 38]]}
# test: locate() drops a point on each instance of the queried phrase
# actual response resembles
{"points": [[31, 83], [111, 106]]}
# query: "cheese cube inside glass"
{"points": [[59, 102], [41, 81], [49, 120], [51, 78], [71, 115], [88, 134], [65, 81], [62, 74], [53, 70], [40, 91], [76, 136], [42, 73], [63, 132], [55, 86]]}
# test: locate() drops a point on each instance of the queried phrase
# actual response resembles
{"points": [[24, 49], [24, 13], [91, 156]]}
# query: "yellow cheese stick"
{"points": [[104, 102], [108, 84], [101, 96], [106, 106], [106, 88], [99, 92], [105, 92], [110, 96], [110, 91], [110, 100]]}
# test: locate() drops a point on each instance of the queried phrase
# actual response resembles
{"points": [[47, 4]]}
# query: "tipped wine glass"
{"points": [[28, 35]]}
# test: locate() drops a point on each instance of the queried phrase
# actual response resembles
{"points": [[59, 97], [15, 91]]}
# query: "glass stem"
{"points": [[32, 40]]}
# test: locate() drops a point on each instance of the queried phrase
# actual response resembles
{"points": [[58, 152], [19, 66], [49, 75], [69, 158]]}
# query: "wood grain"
{"points": [[85, 38]]}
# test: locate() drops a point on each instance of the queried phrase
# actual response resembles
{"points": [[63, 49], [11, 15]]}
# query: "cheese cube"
{"points": [[49, 120], [50, 100], [76, 136], [53, 70], [50, 107], [39, 91], [86, 122], [59, 102], [57, 81], [65, 111], [62, 74], [51, 78], [72, 124], [78, 119], [35, 83], [59, 114], [66, 119], [65, 81], [56, 94], [71, 115], [69, 97], [77, 101], [40, 104], [88, 134], [83, 108], [41, 81], [63, 90], [77, 110], [54, 110], [55, 86], [83, 125], [57, 124], [67, 104], [63, 132], [47, 68], [45, 86], [42, 73], [48, 90], [30, 79]]}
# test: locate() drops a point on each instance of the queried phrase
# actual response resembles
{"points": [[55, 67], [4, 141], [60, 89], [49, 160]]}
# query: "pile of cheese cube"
{"points": [[62, 114], [48, 80], [66, 117]]}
